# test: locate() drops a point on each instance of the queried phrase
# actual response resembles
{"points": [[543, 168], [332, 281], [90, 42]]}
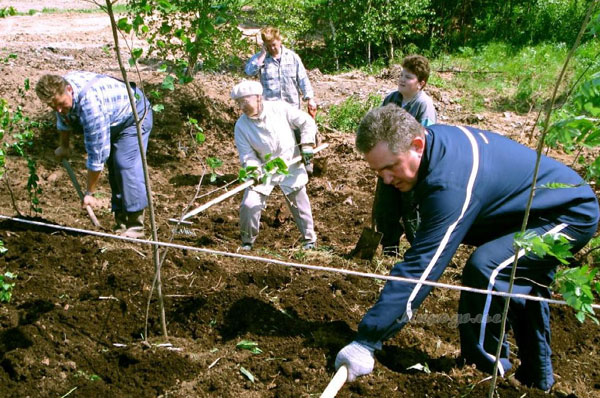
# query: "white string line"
{"points": [[296, 265]]}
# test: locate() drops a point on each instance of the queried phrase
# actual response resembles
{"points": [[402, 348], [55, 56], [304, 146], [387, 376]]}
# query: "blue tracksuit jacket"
{"points": [[471, 187]]}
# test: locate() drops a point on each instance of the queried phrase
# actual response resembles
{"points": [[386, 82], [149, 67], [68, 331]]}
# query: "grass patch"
{"points": [[503, 77], [117, 9], [346, 116]]}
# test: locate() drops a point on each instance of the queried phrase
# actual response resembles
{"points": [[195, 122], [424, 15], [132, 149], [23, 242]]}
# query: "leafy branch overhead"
{"points": [[186, 35]]}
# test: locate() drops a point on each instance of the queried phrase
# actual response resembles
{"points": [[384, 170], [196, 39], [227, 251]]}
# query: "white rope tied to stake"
{"points": [[290, 264]]}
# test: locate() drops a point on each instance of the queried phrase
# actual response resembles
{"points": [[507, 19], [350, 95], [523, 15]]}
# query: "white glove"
{"points": [[358, 358]]}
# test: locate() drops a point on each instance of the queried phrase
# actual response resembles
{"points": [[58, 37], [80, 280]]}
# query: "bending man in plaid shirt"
{"points": [[98, 107]]}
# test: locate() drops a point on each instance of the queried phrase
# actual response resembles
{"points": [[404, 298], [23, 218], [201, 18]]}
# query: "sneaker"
{"points": [[309, 246], [246, 247]]}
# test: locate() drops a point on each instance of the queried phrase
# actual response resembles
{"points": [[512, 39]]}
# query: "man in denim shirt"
{"points": [[98, 106], [283, 78], [281, 71]]}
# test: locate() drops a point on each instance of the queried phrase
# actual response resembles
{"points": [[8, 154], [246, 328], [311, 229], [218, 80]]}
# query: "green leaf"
{"points": [[556, 185], [158, 108], [136, 53], [124, 25], [168, 83], [200, 138], [250, 346]]}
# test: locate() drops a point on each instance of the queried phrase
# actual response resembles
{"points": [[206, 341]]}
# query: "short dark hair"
{"points": [[49, 86], [390, 124], [419, 65]]}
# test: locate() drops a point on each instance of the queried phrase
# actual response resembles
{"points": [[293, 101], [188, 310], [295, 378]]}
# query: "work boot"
{"points": [[120, 222], [135, 225]]}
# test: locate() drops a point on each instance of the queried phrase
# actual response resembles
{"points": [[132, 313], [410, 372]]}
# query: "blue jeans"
{"points": [[125, 172]]}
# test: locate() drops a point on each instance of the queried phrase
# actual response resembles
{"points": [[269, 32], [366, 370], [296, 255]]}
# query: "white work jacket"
{"points": [[273, 132]]}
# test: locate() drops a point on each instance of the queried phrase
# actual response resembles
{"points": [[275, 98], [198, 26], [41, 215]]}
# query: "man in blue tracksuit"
{"points": [[471, 186], [98, 107]]}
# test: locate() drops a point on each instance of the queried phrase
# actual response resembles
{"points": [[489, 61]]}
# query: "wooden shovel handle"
{"points": [[89, 209]]}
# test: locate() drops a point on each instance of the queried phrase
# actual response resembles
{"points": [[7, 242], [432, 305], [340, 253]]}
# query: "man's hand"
{"points": [[307, 154], [62, 152], [89, 200], [358, 358], [312, 108]]}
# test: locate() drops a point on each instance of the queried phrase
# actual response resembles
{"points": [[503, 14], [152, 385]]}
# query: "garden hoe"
{"points": [[226, 195], [90, 212]]}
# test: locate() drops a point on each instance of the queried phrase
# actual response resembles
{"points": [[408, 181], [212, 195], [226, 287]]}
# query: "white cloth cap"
{"points": [[245, 88]]}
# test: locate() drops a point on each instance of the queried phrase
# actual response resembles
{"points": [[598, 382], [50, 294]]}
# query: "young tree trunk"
{"points": [[334, 39], [391, 42], [138, 123]]}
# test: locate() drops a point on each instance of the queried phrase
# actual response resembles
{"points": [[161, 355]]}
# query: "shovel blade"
{"points": [[367, 244]]}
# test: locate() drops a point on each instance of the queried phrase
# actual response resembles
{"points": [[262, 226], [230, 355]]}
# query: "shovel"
{"points": [[90, 212], [367, 244]]}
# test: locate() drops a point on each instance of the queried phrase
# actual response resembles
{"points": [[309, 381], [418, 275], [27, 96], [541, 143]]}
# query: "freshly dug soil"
{"points": [[76, 325]]}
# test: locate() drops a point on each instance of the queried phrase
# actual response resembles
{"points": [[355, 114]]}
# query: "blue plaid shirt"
{"points": [[104, 105], [282, 79]]}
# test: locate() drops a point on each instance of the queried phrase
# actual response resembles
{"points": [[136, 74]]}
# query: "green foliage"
{"points": [[577, 124], [555, 245], [6, 287], [268, 170], [248, 173], [196, 131], [7, 59], [292, 18], [214, 163], [250, 346], [503, 76], [187, 35], [577, 286], [3, 249], [7, 12], [346, 116], [16, 134], [359, 31]]}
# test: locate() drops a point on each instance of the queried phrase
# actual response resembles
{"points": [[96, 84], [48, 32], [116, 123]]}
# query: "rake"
{"points": [[241, 187]]}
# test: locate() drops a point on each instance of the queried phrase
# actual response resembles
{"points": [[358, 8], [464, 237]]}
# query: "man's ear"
{"points": [[69, 89], [418, 145]]}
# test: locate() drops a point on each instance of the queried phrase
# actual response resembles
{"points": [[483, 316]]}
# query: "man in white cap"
{"points": [[266, 127]]}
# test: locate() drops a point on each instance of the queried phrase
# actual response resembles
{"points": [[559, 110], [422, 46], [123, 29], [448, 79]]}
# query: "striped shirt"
{"points": [[105, 104], [282, 79]]}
